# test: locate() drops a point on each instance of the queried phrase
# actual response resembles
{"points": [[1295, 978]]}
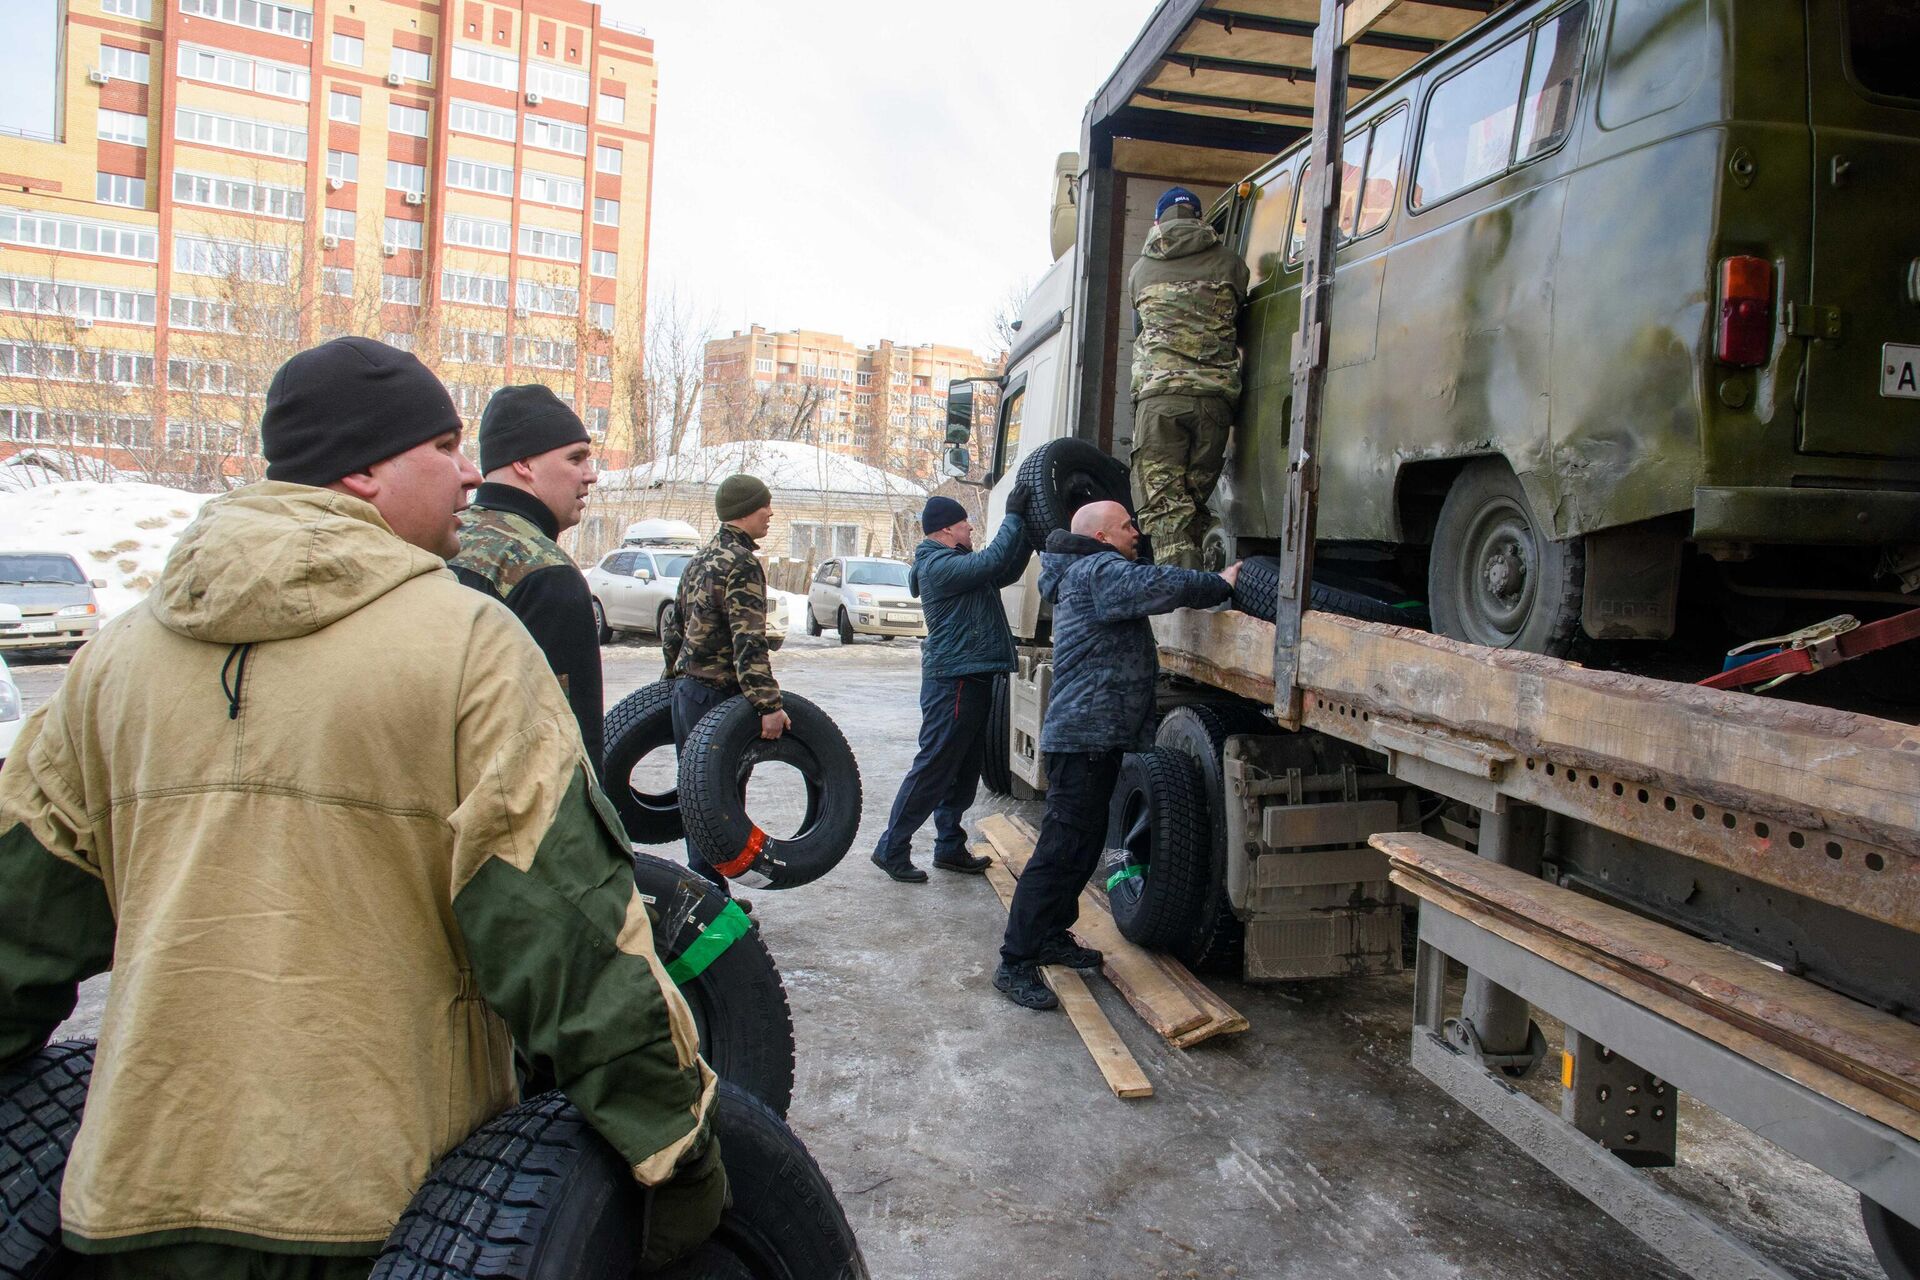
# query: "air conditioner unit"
{"points": [[393, 79], [329, 242], [334, 184], [416, 197], [97, 76], [534, 99], [387, 250], [83, 322]]}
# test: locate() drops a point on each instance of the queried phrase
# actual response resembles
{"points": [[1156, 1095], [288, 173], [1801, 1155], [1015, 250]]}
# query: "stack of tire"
{"points": [[707, 804]]}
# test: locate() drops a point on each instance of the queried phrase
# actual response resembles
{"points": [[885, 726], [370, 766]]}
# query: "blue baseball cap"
{"points": [[1174, 196]]}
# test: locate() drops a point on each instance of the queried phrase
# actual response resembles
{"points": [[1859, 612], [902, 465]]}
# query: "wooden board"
{"points": [[1117, 1065], [1169, 999], [1856, 1055]]}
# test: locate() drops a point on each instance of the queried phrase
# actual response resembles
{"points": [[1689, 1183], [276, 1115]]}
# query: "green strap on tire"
{"points": [[728, 927], [1124, 873]]}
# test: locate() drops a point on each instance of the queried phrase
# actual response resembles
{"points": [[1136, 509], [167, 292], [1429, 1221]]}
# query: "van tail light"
{"points": [[1746, 312]]}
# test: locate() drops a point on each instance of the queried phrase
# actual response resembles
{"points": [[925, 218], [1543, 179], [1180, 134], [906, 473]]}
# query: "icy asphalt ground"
{"points": [[970, 1138]]}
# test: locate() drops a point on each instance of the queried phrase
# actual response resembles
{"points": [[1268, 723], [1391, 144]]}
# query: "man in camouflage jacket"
{"points": [[1186, 288], [538, 463], [716, 641]]}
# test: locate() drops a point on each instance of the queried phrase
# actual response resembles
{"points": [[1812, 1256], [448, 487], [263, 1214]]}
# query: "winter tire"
{"points": [[41, 1099], [1155, 871], [640, 724], [1495, 577], [845, 624], [996, 764], [720, 755], [1200, 733], [813, 622], [1064, 475], [717, 958], [536, 1194], [1258, 592], [600, 627], [1896, 1242], [774, 643]]}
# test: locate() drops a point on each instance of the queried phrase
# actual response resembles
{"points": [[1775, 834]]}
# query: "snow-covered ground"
{"points": [[120, 533]]}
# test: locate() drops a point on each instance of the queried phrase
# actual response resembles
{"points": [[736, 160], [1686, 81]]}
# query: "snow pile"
{"points": [[118, 532], [784, 464]]}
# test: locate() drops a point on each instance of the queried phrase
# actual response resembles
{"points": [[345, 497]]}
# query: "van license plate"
{"points": [[1900, 371]]}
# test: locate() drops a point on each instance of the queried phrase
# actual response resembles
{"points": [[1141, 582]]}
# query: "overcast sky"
{"points": [[871, 170]]}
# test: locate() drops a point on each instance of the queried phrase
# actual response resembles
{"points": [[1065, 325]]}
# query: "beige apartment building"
{"points": [[885, 405], [231, 180]]}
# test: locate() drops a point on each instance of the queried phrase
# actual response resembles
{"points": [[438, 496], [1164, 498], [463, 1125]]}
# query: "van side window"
{"points": [[1469, 132], [1383, 172], [1266, 233], [1881, 37]]}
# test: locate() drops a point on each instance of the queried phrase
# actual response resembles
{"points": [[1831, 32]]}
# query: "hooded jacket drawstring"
{"points": [[233, 694]]}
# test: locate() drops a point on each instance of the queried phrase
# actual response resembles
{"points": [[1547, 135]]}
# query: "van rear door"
{"points": [[1861, 396]]}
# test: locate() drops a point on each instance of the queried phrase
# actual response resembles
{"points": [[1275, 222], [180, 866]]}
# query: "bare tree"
{"points": [[1003, 325], [663, 372]]}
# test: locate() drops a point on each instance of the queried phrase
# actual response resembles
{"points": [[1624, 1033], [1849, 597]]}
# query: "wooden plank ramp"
{"points": [[1117, 1064], [1178, 1006]]}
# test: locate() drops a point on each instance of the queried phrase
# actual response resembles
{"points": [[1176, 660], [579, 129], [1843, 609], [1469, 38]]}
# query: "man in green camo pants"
{"points": [[1186, 288]]}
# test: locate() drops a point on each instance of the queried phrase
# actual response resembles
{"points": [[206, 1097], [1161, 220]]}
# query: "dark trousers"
{"points": [[218, 1262], [1074, 831], [692, 699], [946, 772]]}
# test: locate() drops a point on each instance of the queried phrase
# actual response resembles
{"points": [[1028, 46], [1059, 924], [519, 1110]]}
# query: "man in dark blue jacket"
{"points": [[967, 644], [1104, 666]]}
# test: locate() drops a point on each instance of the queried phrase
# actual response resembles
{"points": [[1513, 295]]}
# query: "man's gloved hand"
{"points": [[1018, 500], [686, 1208]]}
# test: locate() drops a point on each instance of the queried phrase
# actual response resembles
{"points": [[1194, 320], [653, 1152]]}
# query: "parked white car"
{"points": [[10, 713], [634, 588], [54, 598], [863, 596]]}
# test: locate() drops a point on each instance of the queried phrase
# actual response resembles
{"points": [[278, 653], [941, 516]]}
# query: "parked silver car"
{"points": [[55, 598], [11, 714], [863, 596], [634, 588]]}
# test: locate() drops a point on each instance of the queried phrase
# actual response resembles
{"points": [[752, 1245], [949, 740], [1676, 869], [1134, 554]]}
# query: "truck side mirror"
{"points": [[957, 462], [959, 413]]}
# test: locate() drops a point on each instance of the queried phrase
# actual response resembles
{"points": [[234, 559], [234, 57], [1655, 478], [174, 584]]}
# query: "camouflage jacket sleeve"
{"points": [[671, 639], [746, 606]]}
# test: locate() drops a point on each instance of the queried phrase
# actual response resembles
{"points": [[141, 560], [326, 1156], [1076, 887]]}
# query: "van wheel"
{"points": [[846, 627], [996, 765], [1155, 870], [600, 627], [717, 958], [1896, 1242], [1495, 577], [639, 725], [41, 1098]]}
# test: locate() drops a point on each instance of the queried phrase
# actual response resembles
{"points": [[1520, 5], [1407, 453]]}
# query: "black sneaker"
{"points": [[905, 872], [1064, 950], [966, 864], [1022, 985]]}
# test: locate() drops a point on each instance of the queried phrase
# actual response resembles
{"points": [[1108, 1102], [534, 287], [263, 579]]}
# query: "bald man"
{"points": [[1104, 667]]}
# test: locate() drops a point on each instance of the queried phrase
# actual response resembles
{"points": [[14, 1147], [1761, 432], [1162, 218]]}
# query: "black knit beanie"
{"points": [[522, 421], [344, 405], [941, 513]]}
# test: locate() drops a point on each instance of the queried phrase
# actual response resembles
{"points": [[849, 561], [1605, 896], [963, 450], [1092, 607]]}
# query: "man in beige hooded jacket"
{"points": [[326, 814]]}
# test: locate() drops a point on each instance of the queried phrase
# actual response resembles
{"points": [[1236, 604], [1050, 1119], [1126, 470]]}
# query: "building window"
{"points": [[472, 175], [124, 64], [340, 223], [482, 67], [411, 121], [140, 9], [559, 83], [605, 262], [544, 353], [344, 107], [262, 15], [600, 368], [544, 242], [399, 341], [403, 233], [411, 178], [556, 135], [123, 126], [552, 188], [813, 541], [606, 159], [412, 64], [107, 239], [612, 110], [212, 192], [344, 165], [115, 188], [479, 233], [93, 302], [404, 290], [350, 51], [595, 421], [547, 299], [606, 212], [467, 286], [231, 258], [62, 363], [473, 346], [763, 365], [601, 315], [488, 122], [337, 281], [240, 134]]}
